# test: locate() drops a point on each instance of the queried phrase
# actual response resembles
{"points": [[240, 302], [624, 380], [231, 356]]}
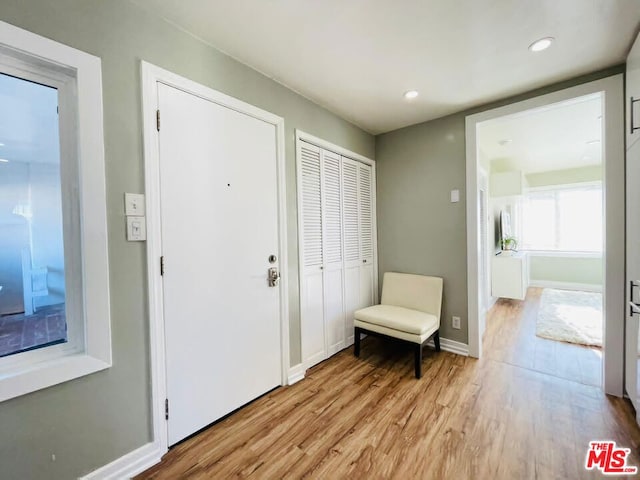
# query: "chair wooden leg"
{"points": [[418, 360], [356, 342], [436, 340]]}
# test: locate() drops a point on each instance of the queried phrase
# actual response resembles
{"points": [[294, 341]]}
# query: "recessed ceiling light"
{"points": [[410, 94], [1, 144], [541, 44], [4, 160], [506, 141], [591, 142]]}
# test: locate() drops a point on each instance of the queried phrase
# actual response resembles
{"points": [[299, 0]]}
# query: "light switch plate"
{"points": [[134, 204], [136, 229], [455, 196]]}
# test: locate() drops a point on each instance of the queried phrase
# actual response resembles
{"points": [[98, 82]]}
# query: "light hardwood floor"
{"points": [[368, 417], [512, 339]]}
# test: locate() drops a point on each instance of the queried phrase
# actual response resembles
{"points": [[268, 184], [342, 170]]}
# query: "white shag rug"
{"points": [[570, 316]]}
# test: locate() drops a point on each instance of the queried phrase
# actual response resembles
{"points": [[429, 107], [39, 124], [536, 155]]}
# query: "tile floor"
{"points": [[19, 332]]}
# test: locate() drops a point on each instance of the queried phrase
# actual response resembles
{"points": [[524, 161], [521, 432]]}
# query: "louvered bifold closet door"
{"points": [[366, 218], [352, 258], [312, 326], [332, 251]]}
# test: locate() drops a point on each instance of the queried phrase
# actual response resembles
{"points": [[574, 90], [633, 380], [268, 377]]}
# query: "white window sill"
{"points": [[48, 373], [561, 254]]}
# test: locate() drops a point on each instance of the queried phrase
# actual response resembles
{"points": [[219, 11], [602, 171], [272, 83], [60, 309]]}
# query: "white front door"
{"points": [[219, 214]]}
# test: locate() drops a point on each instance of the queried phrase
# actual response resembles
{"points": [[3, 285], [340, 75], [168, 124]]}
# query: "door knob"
{"points": [[273, 276]]}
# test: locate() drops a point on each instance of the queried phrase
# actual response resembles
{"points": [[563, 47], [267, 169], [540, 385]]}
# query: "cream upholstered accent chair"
{"points": [[409, 310]]}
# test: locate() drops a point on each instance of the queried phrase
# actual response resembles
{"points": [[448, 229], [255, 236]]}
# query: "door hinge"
{"points": [[166, 409], [158, 119], [162, 265]]}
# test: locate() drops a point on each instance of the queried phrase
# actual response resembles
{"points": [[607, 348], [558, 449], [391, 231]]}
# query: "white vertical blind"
{"points": [[311, 205], [332, 221], [568, 219]]}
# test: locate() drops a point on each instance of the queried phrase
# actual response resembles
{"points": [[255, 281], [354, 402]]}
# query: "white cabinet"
{"points": [[358, 239], [312, 329], [633, 93], [337, 248], [632, 347], [509, 278], [333, 261], [632, 355]]}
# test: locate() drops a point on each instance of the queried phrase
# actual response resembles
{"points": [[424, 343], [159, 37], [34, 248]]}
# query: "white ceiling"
{"points": [[555, 137], [357, 57]]}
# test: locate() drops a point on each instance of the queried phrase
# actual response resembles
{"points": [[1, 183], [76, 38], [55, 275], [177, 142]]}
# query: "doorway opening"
{"points": [[541, 230], [198, 162], [545, 237]]}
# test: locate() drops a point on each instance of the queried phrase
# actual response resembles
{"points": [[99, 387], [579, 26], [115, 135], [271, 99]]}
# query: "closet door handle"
{"points": [[633, 306], [632, 127]]}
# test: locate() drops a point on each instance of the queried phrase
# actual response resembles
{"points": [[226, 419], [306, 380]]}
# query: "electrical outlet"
{"points": [[455, 322]]}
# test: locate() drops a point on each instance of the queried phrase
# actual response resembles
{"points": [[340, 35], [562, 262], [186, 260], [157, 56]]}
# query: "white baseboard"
{"points": [[129, 465], [148, 455], [452, 346], [583, 287], [296, 373]]}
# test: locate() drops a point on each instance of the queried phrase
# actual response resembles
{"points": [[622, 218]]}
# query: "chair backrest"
{"points": [[417, 292]]}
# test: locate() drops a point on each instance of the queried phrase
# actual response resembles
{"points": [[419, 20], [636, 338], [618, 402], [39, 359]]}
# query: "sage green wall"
{"points": [[419, 231], [591, 173], [93, 420], [566, 269]]}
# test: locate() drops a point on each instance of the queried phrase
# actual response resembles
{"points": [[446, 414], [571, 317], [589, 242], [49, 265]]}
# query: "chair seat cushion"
{"points": [[399, 318]]}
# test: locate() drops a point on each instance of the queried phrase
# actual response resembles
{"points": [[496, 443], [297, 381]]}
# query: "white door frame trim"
{"points": [[152, 75], [614, 178], [302, 136], [320, 143]]}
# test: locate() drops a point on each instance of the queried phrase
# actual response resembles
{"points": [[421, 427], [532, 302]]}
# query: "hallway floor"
{"points": [[502, 417], [511, 338]]}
